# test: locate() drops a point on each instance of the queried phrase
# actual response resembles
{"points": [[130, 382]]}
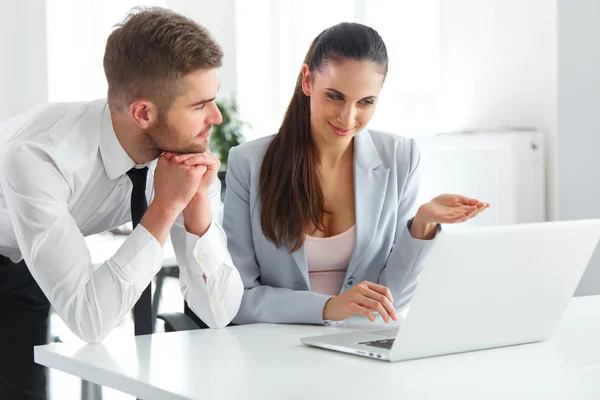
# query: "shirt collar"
{"points": [[116, 161]]}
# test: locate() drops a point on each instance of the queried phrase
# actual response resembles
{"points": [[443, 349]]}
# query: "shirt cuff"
{"points": [[140, 256], [208, 250]]}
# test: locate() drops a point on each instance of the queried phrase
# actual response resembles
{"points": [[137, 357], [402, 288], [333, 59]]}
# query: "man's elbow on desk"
{"points": [[88, 328], [221, 312], [92, 317]]}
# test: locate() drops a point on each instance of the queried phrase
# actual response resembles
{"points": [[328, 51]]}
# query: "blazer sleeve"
{"points": [[406, 259], [260, 303]]}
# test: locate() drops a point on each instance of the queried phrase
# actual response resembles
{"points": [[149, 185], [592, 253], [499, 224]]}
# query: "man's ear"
{"points": [[144, 113], [306, 80]]}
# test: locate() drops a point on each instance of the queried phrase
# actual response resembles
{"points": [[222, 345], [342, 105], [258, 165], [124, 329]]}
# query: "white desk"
{"points": [[268, 362]]}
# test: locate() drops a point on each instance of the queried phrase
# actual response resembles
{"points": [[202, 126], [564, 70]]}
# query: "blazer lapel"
{"points": [[299, 257], [370, 185]]}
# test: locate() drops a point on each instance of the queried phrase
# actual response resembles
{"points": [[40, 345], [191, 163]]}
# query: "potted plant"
{"points": [[226, 135]]}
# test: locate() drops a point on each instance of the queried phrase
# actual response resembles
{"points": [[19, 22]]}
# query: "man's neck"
{"points": [[132, 140]]}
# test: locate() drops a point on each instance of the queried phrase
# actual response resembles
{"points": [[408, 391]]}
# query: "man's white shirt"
{"points": [[63, 177]]}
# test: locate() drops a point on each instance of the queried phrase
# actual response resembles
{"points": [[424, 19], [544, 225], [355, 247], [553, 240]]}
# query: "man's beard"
{"points": [[163, 137]]}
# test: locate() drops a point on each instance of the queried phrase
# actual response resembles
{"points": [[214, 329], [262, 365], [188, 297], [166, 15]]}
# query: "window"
{"points": [[272, 38], [410, 30]]}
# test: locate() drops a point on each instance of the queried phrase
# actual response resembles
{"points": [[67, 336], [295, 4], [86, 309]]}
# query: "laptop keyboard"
{"points": [[383, 343]]}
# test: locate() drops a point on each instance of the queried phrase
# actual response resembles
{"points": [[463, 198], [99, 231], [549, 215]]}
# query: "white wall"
{"points": [[218, 17], [31, 53], [578, 119], [8, 49], [498, 69], [76, 61], [23, 70], [77, 31]]}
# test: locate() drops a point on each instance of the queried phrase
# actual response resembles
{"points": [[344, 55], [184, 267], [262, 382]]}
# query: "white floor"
{"points": [[67, 387]]}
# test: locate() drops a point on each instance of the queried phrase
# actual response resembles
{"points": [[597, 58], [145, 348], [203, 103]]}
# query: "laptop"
{"points": [[483, 288]]}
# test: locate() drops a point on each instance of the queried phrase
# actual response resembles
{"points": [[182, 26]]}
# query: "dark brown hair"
{"points": [[290, 184], [149, 53]]}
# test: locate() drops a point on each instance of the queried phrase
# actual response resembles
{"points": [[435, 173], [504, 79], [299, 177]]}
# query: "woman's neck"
{"points": [[333, 156]]}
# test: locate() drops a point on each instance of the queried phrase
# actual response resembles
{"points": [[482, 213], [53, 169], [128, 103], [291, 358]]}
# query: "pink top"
{"points": [[328, 259]]}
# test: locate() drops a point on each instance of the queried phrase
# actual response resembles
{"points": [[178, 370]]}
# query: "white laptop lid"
{"points": [[495, 286]]}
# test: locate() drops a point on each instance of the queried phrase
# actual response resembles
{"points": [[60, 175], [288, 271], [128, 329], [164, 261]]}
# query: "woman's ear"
{"points": [[306, 80]]}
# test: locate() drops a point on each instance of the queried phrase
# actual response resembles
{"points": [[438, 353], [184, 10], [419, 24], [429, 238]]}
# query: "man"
{"points": [[75, 169]]}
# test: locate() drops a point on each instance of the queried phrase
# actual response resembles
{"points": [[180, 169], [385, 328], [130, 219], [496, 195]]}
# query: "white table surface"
{"points": [[104, 245], [268, 362]]}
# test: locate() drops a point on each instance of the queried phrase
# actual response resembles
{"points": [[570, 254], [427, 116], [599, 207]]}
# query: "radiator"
{"points": [[506, 169]]}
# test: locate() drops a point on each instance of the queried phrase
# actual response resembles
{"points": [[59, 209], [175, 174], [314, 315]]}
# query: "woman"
{"points": [[320, 217]]}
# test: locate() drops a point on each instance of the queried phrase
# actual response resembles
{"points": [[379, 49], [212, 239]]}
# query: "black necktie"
{"points": [[142, 311]]}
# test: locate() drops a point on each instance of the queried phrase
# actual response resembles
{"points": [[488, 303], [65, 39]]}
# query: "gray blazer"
{"points": [[277, 288]]}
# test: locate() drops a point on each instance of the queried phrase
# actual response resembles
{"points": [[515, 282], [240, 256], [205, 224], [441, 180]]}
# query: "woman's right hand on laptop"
{"points": [[362, 299]]}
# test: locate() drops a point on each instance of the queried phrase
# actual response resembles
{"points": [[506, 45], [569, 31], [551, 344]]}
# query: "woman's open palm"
{"points": [[452, 209]]}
